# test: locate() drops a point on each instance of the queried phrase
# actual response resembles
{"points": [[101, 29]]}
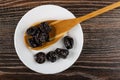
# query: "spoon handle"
{"points": [[98, 12]]}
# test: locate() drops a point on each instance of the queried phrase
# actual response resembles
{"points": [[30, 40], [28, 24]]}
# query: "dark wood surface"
{"points": [[100, 57]]}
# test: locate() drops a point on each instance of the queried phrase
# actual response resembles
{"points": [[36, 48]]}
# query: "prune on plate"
{"points": [[32, 31], [44, 27], [52, 56], [33, 42], [40, 57], [68, 42], [44, 37], [62, 53]]}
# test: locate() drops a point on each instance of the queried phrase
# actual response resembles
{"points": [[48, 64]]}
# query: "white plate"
{"points": [[43, 13]]}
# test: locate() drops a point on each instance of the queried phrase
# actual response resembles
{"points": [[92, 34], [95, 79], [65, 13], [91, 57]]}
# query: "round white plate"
{"points": [[39, 14]]}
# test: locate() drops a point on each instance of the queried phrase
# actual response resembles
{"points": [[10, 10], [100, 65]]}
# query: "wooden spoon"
{"points": [[63, 26]]}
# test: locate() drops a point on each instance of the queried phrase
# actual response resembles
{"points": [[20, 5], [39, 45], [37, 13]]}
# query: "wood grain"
{"points": [[100, 57]]}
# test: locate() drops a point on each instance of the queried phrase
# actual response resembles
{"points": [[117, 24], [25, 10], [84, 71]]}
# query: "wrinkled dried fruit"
{"points": [[68, 42], [38, 35], [44, 27], [62, 53], [32, 43], [51, 56], [40, 57], [37, 41], [44, 37], [32, 31]]}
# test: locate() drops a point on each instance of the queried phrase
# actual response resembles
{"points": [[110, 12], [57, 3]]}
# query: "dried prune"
{"points": [[37, 33], [32, 31], [34, 42], [68, 42], [40, 57], [44, 37], [37, 41], [44, 27], [62, 53], [51, 56]]}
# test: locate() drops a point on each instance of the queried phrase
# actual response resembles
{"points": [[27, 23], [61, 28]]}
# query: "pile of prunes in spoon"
{"points": [[39, 36]]}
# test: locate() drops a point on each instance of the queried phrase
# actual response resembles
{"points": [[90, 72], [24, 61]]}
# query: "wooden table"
{"points": [[100, 57]]}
